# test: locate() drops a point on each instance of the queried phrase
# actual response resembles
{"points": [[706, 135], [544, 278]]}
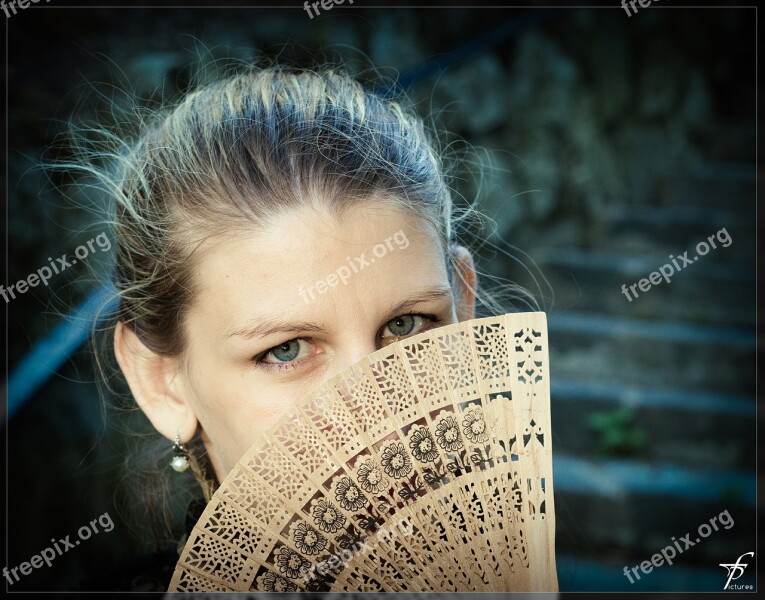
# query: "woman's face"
{"points": [[279, 312]]}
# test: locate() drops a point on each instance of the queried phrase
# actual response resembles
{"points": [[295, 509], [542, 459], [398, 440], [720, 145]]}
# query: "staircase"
{"points": [[653, 400]]}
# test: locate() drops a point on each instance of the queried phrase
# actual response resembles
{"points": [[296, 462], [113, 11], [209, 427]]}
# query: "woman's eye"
{"points": [[284, 353], [403, 325]]}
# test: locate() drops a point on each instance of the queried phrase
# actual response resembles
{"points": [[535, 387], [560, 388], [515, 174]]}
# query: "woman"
{"points": [[272, 229]]}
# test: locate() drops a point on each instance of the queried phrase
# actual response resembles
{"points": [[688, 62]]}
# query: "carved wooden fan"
{"points": [[426, 466]]}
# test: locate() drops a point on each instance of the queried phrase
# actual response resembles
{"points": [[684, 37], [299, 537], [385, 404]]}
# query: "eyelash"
{"points": [[286, 366], [260, 364]]}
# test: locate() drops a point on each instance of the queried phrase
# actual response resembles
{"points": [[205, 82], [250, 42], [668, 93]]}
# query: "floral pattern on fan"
{"points": [[371, 477], [326, 516], [396, 461], [270, 582], [308, 540], [348, 494], [291, 564], [448, 434], [422, 445], [474, 426]]}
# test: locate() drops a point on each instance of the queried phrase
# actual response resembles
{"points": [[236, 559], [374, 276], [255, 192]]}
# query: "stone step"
{"points": [[630, 510], [703, 292], [671, 354], [694, 429], [729, 140], [731, 185], [655, 232]]}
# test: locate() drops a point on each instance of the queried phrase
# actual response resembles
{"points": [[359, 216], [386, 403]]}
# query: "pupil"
{"points": [[401, 325], [287, 351]]}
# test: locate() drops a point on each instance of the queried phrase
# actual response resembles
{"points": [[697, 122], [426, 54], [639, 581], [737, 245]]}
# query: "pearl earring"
{"points": [[180, 460]]}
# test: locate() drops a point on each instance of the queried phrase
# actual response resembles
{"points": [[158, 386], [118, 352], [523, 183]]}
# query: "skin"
{"points": [[229, 381]]}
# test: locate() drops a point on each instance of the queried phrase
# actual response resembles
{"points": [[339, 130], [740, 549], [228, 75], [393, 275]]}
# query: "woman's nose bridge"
{"points": [[352, 352]]}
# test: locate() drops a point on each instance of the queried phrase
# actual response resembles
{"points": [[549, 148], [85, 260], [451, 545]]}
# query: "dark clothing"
{"points": [[146, 573]]}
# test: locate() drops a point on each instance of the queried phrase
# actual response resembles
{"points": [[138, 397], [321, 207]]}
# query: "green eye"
{"points": [[287, 351], [402, 325]]}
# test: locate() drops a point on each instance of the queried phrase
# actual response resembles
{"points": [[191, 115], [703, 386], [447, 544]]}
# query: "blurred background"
{"points": [[606, 143]]}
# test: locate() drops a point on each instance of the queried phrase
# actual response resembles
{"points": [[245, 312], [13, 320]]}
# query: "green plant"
{"points": [[617, 434]]}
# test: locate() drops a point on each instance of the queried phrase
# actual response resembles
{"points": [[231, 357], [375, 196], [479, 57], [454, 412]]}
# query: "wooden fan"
{"points": [[426, 466]]}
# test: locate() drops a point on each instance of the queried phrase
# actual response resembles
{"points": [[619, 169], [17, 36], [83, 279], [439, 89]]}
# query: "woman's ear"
{"points": [[156, 385], [465, 282]]}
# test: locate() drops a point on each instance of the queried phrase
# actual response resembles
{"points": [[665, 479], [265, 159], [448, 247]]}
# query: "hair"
{"points": [[232, 154]]}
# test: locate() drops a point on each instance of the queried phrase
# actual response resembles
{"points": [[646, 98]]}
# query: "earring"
{"points": [[180, 460]]}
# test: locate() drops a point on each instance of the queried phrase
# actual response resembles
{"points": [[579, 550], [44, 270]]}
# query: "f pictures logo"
{"points": [[735, 571]]}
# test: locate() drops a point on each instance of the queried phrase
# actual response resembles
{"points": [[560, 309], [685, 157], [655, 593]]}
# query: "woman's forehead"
{"points": [[305, 257]]}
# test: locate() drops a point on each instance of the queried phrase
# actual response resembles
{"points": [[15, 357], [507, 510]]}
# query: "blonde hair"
{"points": [[232, 154]]}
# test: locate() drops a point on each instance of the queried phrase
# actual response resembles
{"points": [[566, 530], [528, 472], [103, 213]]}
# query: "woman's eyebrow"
{"points": [[267, 327], [425, 296]]}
